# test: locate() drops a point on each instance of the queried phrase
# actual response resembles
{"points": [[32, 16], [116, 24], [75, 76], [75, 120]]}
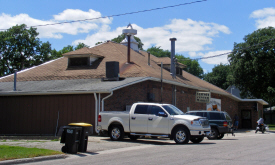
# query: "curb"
{"points": [[35, 159]]}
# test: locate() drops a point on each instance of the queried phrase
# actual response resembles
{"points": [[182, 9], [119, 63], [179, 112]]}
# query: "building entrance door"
{"points": [[246, 119]]}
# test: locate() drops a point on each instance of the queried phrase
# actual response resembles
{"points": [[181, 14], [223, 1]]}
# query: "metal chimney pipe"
{"points": [[129, 46], [172, 68], [14, 84], [149, 58]]}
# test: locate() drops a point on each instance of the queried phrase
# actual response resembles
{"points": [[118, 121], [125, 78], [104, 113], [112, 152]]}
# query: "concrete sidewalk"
{"points": [[96, 144]]}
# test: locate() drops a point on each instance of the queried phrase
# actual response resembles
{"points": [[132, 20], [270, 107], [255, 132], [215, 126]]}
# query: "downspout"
{"points": [[102, 102], [161, 88], [97, 131], [98, 103]]}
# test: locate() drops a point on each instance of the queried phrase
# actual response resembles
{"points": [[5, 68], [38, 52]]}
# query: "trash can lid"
{"points": [[81, 124]]}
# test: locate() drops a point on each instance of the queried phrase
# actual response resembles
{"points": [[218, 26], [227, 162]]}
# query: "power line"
{"points": [[117, 15], [249, 47]]}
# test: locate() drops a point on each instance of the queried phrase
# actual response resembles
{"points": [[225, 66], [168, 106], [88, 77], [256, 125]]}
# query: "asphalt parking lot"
{"points": [[99, 144]]}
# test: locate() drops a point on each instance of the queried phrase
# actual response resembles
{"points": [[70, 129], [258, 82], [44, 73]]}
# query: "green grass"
{"points": [[271, 127], [15, 152]]}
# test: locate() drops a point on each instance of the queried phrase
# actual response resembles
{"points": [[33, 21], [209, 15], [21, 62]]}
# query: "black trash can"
{"points": [[86, 131], [71, 138]]}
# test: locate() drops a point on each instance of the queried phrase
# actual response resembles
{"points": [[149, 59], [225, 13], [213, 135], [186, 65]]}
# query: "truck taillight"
{"points": [[99, 118], [225, 124]]}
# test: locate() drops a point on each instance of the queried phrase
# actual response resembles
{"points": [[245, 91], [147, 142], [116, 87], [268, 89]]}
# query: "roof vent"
{"points": [[112, 71]]}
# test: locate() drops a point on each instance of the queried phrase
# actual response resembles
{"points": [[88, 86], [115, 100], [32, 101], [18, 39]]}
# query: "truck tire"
{"points": [[116, 132], [197, 139], [181, 135], [214, 134], [220, 136], [133, 137]]}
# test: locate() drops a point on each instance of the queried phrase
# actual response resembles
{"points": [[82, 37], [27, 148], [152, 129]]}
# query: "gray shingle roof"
{"points": [[66, 86]]}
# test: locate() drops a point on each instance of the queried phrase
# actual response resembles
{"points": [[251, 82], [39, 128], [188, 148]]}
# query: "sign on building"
{"points": [[203, 97], [214, 105]]}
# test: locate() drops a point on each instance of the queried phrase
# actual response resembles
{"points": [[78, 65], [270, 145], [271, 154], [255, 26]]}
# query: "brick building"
{"points": [[75, 88]]}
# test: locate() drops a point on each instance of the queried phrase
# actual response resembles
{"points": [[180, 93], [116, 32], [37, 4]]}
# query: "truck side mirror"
{"points": [[163, 114]]}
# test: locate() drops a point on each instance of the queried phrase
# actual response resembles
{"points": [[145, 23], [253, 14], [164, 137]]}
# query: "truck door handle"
{"points": [[133, 118], [150, 118]]}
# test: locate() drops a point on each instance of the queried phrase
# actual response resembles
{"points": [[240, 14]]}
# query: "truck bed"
{"points": [[108, 118]]}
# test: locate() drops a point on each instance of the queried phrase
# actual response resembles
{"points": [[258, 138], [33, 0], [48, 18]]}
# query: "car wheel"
{"points": [[220, 136], [181, 135], [133, 137], [197, 139], [214, 134], [116, 133]]}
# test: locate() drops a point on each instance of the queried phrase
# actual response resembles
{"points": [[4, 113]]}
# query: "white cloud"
{"points": [[265, 17], [56, 31], [191, 35], [216, 60], [76, 14]]}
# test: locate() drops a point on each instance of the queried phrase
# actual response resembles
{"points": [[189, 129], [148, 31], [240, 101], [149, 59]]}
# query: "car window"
{"points": [[202, 114], [215, 116], [191, 113], [141, 109], [155, 110], [172, 110], [227, 116]]}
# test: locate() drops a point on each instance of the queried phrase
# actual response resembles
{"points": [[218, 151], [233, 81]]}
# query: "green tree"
{"points": [[252, 63], [158, 52], [192, 66], [57, 54], [21, 48], [220, 76], [98, 43], [80, 45], [44, 54]]}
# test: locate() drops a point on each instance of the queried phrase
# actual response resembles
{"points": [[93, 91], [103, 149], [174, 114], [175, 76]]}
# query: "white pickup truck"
{"points": [[155, 120]]}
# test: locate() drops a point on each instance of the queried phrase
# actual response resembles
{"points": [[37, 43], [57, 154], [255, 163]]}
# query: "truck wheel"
{"points": [[181, 135], [116, 133], [133, 137], [214, 134], [220, 136], [197, 139]]}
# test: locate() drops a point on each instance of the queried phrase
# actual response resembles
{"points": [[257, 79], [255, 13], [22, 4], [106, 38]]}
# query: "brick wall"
{"points": [[139, 92], [185, 97], [249, 106]]}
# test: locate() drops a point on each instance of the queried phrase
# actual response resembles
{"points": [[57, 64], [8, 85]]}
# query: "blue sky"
{"points": [[202, 29]]}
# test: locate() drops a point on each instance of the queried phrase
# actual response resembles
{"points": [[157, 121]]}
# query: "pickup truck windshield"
{"points": [[172, 110]]}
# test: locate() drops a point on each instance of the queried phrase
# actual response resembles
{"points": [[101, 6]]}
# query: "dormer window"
{"points": [[81, 58], [80, 61]]}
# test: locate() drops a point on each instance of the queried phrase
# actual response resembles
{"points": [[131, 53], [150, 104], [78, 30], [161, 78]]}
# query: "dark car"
{"points": [[219, 121]]}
